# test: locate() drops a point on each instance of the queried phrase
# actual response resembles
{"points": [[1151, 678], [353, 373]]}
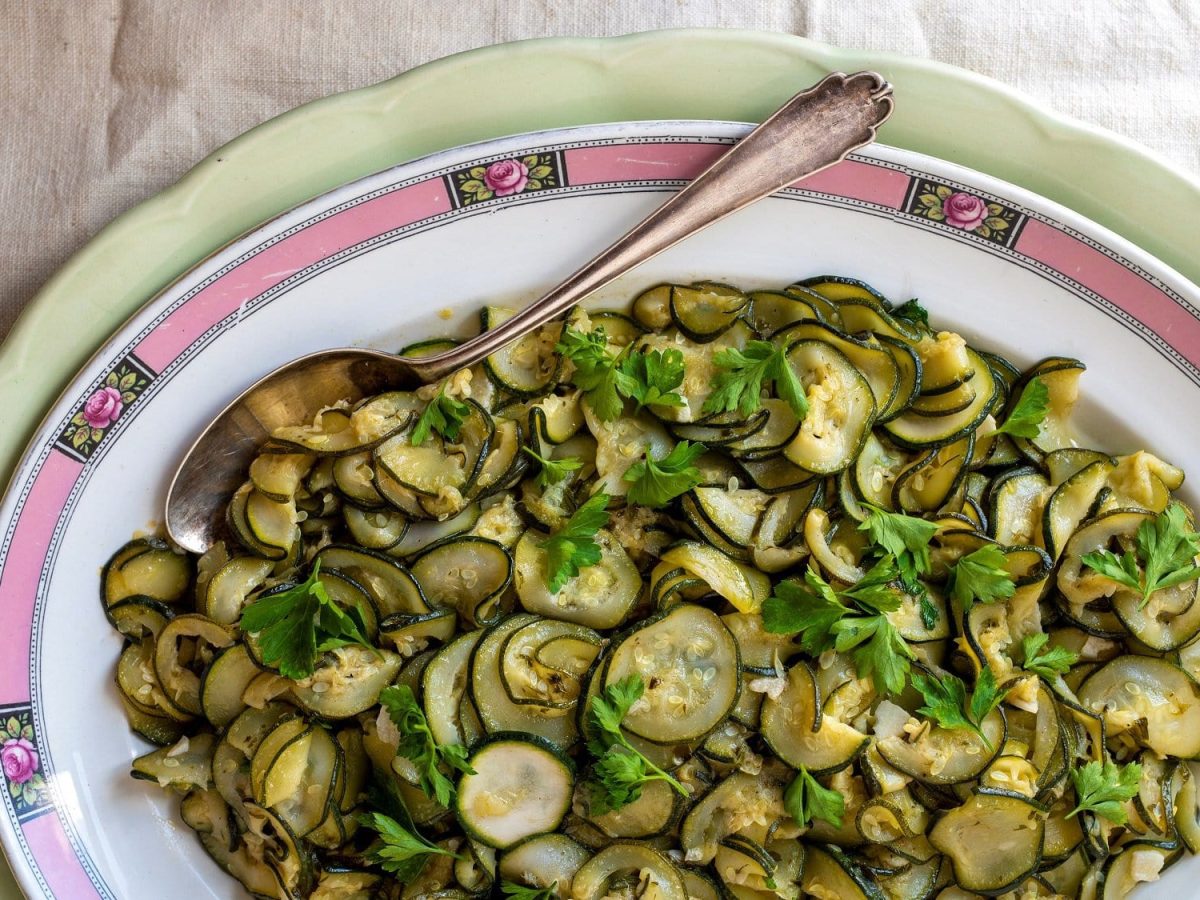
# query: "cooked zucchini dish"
{"points": [[729, 595]]}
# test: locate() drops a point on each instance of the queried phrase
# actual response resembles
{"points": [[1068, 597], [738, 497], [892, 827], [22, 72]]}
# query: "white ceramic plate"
{"points": [[378, 263]]}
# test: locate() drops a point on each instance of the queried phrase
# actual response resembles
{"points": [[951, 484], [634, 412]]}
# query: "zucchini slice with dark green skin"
{"points": [[793, 726], [521, 786], [910, 430], [994, 841], [601, 597], [145, 568], [829, 870], [705, 310], [1152, 696], [527, 366], [841, 408], [496, 709], [595, 878], [544, 860], [689, 663], [469, 574]]}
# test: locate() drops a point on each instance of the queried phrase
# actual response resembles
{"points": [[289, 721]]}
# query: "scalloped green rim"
{"points": [[539, 84], [548, 83]]}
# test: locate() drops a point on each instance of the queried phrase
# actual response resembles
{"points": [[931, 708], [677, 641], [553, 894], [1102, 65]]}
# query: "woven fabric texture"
{"points": [[105, 102]]}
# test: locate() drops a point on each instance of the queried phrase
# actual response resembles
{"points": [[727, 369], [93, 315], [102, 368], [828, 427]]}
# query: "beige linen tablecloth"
{"points": [[105, 102]]}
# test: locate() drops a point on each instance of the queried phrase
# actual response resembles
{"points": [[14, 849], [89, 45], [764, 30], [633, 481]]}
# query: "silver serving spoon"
{"points": [[812, 131]]}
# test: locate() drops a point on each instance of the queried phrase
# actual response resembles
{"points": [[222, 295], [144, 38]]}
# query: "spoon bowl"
{"points": [[811, 132]]}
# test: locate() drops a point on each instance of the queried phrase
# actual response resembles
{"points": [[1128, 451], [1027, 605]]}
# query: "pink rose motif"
{"points": [[506, 177], [103, 407], [965, 211], [20, 760]]}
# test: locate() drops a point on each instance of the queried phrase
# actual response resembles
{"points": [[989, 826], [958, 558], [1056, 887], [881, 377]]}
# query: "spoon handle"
{"points": [[812, 131]]}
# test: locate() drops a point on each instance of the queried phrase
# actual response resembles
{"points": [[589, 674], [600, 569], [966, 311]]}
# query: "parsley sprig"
{"points": [[403, 851], [739, 384], [596, 372], [806, 799], [1163, 555], [656, 482], [912, 311], [443, 414], [620, 770], [521, 892], [1103, 789], [907, 539], [980, 575], [296, 625], [816, 612], [573, 547], [654, 375], [607, 378], [418, 746], [946, 700], [1049, 663], [1030, 411], [553, 471]]}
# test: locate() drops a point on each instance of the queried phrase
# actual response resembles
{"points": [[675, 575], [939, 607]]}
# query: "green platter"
{"points": [[531, 85]]}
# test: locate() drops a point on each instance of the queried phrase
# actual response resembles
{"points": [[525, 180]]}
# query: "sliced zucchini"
{"points": [[227, 591], [1148, 701], [911, 430], [180, 656], [145, 568], [598, 877], [841, 408], [994, 841], [469, 574], [793, 726], [543, 663], [942, 755], [544, 860], [600, 597], [704, 311], [347, 681], [279, 476], [224, 682], [743, 586], [829, 872], [529, 364], [689, 663], [184, 766], [496, 709], [521, 786], [390, 586]]}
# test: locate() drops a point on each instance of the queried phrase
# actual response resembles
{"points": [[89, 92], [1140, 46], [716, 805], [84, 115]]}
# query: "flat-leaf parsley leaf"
{"points": [[807, 799], [418, 746], [946, 700], [620, 770], [402, 852], [573, 547], [738, 386], [653, 377], [295, 625], [656, 482], [596, 372], [553, 471], [1050, 663], [1163, 555], [1029, 412], [980, 575], [1103, 789], [442, 414]]}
